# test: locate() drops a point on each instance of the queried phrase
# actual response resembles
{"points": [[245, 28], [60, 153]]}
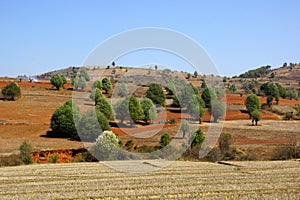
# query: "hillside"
{"points": [[180, 180]]}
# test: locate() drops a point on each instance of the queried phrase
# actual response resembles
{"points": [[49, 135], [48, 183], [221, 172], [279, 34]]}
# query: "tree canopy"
{"points": [[135, 110], [106, 84], [103, 106], [217, 109], [149, 109], [156, 94], [252, 103], [208, 95], [58, 80], [62, 120]]}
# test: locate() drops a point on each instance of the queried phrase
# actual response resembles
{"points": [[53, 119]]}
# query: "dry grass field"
{"points": [[180, 180]]}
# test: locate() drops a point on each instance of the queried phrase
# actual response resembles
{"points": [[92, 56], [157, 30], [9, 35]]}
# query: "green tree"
{"points": [[58, 80], [292, 93], [198, 139], [97, 84], [123, 90], [156, 94], [62, 120], [195, 74], [121, 109], [256, 116], [103, 106], [96, 94], [79, 82], [196, 107], [106, 84], [232, 88], [149, 109], [208, 95], [106, 146], [92, 124], [165, 139], [270, 89], [11, 91], [281, 90], [185, 127], [135, 110], [252, 103], [217, 110], [84, 74]]}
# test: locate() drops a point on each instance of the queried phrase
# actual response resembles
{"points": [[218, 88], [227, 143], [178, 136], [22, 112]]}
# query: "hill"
{"points": [[180, 180]]}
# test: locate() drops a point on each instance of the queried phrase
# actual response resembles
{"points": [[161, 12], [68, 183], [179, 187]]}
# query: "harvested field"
{"points": [[180, 180]]}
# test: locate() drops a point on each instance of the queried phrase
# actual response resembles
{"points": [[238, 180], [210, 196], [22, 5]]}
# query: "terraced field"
{"points": [[180, 180]]}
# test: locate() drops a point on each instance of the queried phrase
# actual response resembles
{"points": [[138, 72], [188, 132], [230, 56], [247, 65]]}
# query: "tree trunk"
{"points": [[256, 122], [200, 121]]}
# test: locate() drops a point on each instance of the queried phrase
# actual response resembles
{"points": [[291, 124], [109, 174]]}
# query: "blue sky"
{"points": [[40, 36]]}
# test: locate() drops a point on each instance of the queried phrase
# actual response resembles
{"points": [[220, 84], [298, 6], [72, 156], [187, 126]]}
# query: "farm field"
{"points": [[30, 120], [180, 180]]}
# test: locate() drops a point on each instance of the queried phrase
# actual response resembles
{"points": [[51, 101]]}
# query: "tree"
{"points": [[123, 90], [270, 89], [233, 88], [155, 67], [113, 64], [135, 110], [106, 84], [106, 146], [252, 103], [208, 95], [92, 124], [58, 80], [196, 107], [281, 90], [79, 82], [198, 139], [195, 74], [217, 109], [156, 94], [165, 139], [292, 93], [103, 106], [122, 109], [62, 120], [256, 116], [97, 84], [96, 94], [11, 91], [185, 127], [149, 109], [84, 74]]}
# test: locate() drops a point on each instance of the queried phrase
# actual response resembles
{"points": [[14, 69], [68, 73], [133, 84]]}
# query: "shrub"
{"points": [[106, 84], [11, 160], [129, 144], [123, 90], [165, 139], [96, 94], [198, 139], [25, 150], [224, 142], [11, 91], [288, 116], [53, 158], [121, 109]]}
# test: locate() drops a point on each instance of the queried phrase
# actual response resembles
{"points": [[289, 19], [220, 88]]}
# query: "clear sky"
{"points": [[40, 36]]}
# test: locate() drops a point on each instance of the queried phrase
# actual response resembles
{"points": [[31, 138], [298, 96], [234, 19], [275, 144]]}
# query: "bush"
{"points": [[217, 109], [106, 84], [165, 139], [198, 139], [286, 152], [53, 158], [224, 142], [11, 91], [11, 160], [129, 144], [288, 116], [25, 150]]}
